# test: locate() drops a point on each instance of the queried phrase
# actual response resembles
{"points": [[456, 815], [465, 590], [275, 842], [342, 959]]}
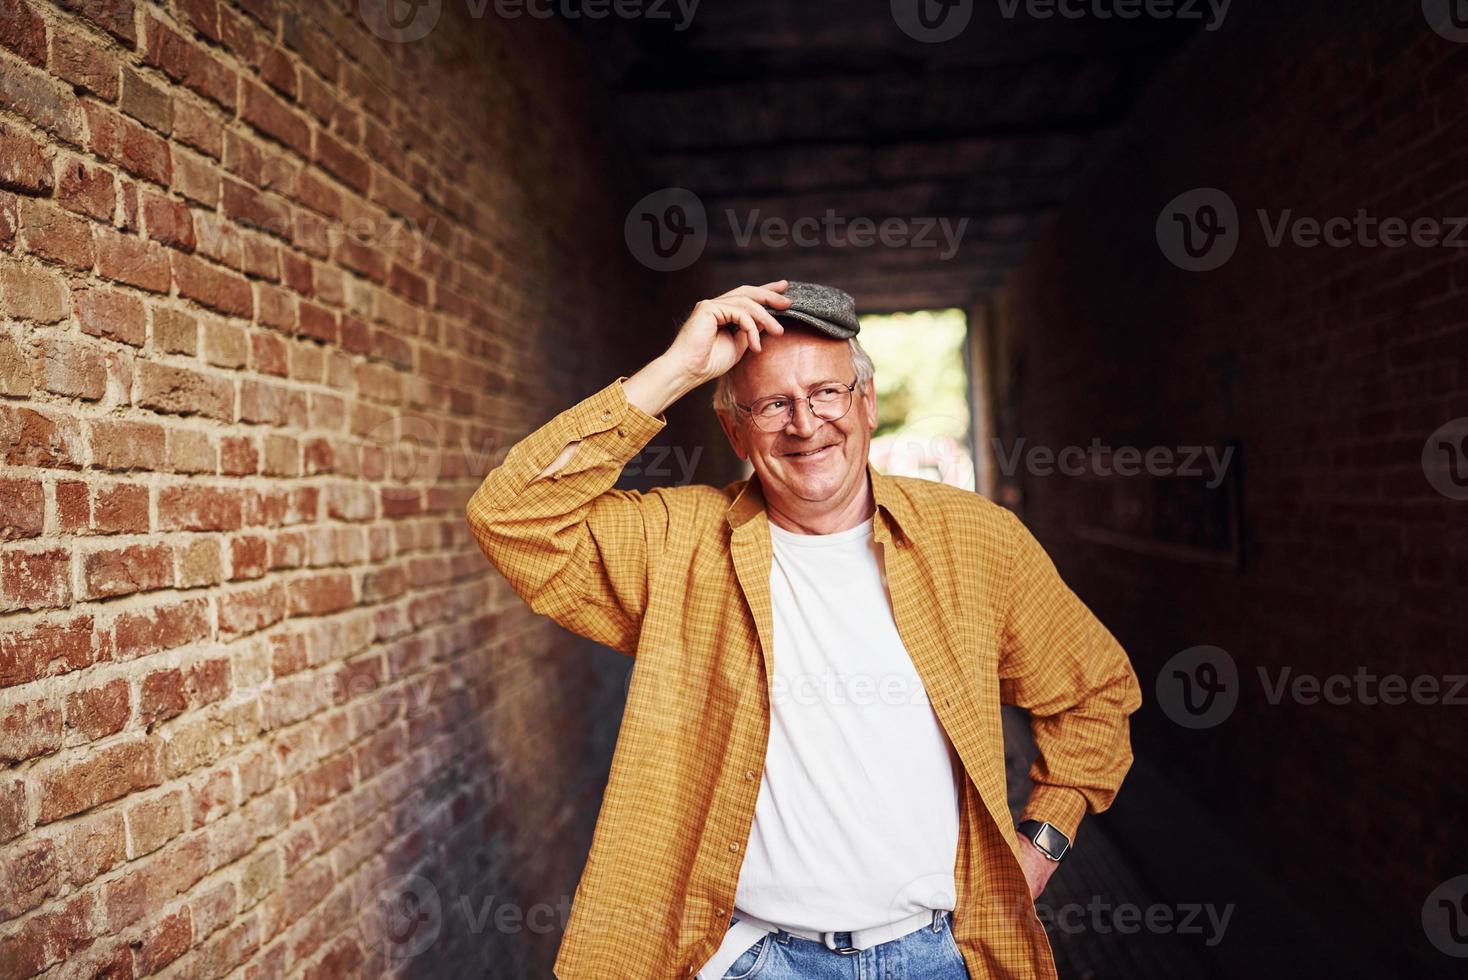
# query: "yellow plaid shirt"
{"points": [[679, 578]]}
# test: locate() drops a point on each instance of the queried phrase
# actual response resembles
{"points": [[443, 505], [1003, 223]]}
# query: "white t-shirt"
{"points": [[856, 824]]}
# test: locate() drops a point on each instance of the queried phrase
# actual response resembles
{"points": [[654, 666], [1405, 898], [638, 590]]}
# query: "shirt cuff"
{"points": [[1059, 806]]}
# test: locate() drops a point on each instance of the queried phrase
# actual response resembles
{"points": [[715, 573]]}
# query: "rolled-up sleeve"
{"points": [[573, 547], [1061, 664]]}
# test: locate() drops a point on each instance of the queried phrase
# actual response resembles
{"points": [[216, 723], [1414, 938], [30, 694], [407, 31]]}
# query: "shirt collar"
{"points": [[898, 518]]}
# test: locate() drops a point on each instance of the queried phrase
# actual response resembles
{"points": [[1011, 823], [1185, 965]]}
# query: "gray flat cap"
{"points": [[826, 308]]}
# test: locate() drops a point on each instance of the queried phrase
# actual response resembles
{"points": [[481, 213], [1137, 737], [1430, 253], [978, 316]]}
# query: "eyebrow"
{"points": [[808, 389]]}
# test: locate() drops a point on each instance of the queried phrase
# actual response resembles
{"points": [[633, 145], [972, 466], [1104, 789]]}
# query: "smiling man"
{"points": [[809, 778]]}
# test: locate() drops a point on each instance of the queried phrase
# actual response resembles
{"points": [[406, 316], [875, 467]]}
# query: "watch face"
{"points": [[1052, 842]]}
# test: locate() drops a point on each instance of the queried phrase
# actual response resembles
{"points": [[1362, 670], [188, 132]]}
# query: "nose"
{"points": [[803, 421]]}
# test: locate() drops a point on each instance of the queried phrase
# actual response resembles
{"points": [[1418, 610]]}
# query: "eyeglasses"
{"points": [[828, 402]]}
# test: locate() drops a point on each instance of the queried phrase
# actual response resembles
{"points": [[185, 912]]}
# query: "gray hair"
{"points": [[860, 359]]}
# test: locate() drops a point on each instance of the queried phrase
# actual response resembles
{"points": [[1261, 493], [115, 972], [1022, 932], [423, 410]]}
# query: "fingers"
{"points": [[770, 294]]}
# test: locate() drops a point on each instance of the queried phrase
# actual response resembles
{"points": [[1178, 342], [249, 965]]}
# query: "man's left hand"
{"points": [[1037, 867]]}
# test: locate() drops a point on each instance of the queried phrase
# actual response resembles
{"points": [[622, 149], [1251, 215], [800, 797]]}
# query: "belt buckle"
{"points": [[829, 939]]}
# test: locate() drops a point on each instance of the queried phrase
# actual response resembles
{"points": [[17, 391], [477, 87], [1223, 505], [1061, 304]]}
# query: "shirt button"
{"points": [[749, 775], [621, 432], [720, 913], [734, 846], [605, 416]]}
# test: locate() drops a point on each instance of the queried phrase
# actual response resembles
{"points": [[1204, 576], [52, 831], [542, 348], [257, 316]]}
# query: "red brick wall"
{"points": [[273, 290], [1332, 366]]}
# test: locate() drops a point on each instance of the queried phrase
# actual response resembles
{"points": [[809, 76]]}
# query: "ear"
{"points": [[869, 403], [735, 434]]}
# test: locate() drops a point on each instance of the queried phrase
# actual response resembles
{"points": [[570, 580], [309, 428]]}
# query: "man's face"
{"points": [[810, 460]]}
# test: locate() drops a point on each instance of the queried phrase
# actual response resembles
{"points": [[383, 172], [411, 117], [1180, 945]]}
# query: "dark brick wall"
{"points": [[1331, 366]]}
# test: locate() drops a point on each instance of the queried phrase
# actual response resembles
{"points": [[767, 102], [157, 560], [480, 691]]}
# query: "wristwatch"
{"points": [[1045, 836]]}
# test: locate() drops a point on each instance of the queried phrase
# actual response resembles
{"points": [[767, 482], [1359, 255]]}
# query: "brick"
{"points": [[29, 874], [318, 323], [56, 234], [29, 729], [164, 941], [196, 508], [78, 783], [213, 287], [187, 63], [238, 456], [196, 179], [317, 595], [87, 190], [32, 438], [190, 451], [80, 60], [249, 610], [175, 332], [199, 563], [337, 158], [208, 681], [95, 712], [22, 509], [130, 145], [154, 881], [123, 571], [116, 17], [225, 345], [35, 579], [90, 847], [272, 117], [33, 293], [268, 354], [15, 373], [45, 650], [250, 208], [153, 822], [121, 508], [133, 261], [73, 506], [182, 391], [9, 220], [36, 96], [111, 314], [168, 222], [162, 627], [24, 166], [126, 445], [14, 819], [147, 103], [196, 126], [249, 558], [65, 367], [49, 937], [161, 696], [23, 31]]}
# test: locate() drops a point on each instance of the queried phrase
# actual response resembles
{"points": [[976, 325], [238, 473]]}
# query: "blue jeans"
{"points": [[925, 954]]}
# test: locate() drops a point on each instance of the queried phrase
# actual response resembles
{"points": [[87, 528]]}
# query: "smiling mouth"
{"points": [[808, 453]]}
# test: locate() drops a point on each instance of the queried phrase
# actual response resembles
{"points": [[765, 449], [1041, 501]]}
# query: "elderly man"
{"points": [[809, 780]]}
